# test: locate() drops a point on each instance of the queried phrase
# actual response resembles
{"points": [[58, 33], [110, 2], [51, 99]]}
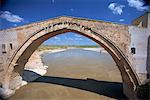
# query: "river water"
{"points": [[75, 74]]}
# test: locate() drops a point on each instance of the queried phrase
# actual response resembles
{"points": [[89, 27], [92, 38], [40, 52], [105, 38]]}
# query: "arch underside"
{"points": [[22, 55]]}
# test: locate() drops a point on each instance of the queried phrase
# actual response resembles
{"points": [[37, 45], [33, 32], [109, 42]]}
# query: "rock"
{"points": [[16, 83], [34, 67], [5, 93], [45, 67], [24, 83]]}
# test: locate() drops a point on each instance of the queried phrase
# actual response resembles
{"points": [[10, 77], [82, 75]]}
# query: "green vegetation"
{"points": [[52, 47]]}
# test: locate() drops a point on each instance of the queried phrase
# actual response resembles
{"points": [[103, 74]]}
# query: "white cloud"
{"points": [[15, 25], [53, 1], [10, 17], [79, 39], [138, 4], [116, 8], [57, 38], [71, 9], [121, 20], [76, 35], [70, 39]]}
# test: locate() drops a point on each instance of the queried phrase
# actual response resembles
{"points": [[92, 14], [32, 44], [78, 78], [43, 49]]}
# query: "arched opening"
{"points": [[32, 43], [83, 73]]}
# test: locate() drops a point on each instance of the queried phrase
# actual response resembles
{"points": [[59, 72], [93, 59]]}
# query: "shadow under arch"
{"points": [[22, 55]]}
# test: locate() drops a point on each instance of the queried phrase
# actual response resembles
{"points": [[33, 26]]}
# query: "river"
{"points": [[75, 74]]}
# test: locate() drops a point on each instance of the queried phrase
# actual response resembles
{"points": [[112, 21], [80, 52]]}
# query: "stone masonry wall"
{"points": [[139, 40]]}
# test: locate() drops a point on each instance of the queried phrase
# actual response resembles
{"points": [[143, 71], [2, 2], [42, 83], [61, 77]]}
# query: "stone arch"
{"points": [[21, 56]]}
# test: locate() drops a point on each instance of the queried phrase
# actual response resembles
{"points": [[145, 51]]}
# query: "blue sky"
{"points": [[19, 12]]}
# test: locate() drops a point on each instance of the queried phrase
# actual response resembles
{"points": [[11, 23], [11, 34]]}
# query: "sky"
{"points": [[14, 13]]}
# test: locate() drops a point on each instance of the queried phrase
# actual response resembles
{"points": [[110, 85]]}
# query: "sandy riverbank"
{"points": [[101, 50]]}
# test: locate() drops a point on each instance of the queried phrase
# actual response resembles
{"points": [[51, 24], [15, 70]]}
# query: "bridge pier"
{"points": [[142, 91], [12, 81], [5, 91], [128, 86], [130, 93]]}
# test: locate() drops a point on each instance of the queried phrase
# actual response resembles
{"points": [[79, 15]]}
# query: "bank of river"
{"points": [[75, 74]]}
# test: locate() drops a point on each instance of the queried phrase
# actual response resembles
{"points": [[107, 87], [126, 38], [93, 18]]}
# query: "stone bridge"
{"points": [[127, 44]]}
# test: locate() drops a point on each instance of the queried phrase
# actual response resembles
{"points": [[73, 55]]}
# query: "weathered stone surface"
{"points": [[35, 64], [16, 83], [5, 93]]}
